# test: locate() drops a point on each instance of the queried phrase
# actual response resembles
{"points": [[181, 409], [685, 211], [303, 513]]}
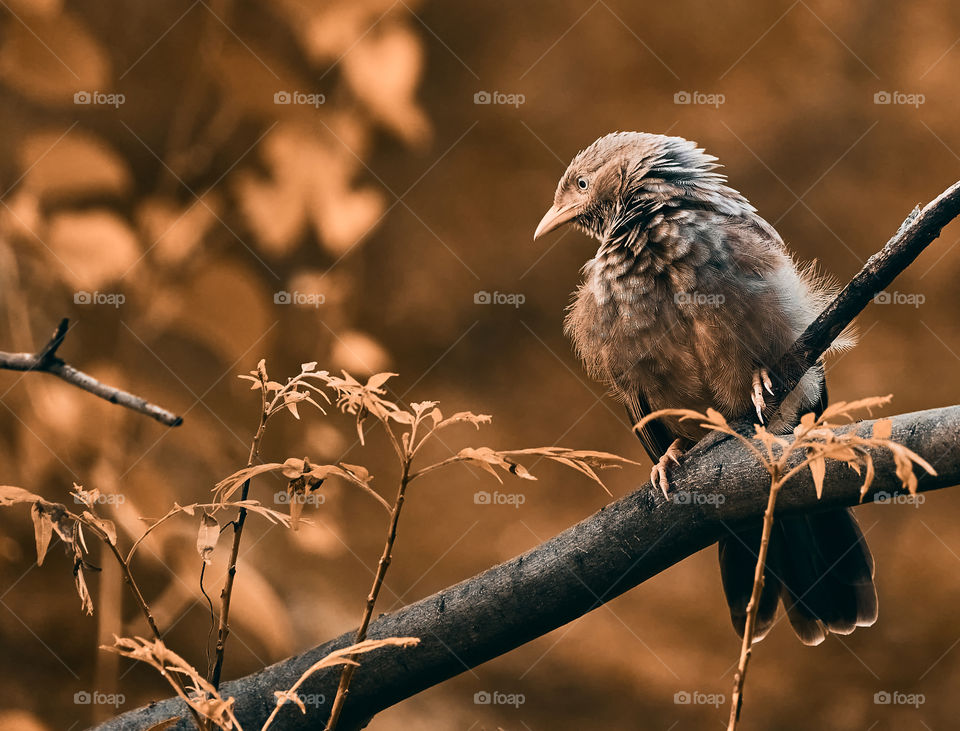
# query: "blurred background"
{"points": [[199, 185]]}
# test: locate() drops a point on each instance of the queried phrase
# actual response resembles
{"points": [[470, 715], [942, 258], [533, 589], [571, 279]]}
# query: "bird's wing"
{"points": [[654, 436]]}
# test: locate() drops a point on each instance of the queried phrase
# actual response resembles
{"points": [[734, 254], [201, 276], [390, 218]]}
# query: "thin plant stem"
{"points": [[346, 675], [223, 629], [753, 605], [144, 609]]}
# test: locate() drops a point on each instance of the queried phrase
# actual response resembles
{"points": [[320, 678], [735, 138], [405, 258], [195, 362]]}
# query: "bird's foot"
{"points": [[658, 475], [761, 380]]}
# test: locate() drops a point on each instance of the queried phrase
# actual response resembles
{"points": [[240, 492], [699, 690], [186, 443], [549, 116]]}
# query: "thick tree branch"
{"points": [[46, 360], [624, 544], [619, 547]]}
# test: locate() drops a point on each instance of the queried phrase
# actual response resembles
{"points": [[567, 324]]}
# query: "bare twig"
{"points": [[746, 647], [284, 397], [223, 629], [916, 232], [46, 360], [346, 675]]}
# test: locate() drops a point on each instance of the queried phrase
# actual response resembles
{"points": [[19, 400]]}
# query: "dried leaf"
{"points": [[343, 656], [253, 506], [358, 471], [204, 698], [106, 526], [882, 429], [818, 469], [378, 379], [463, 417], [207, 537], [10, 495], [844, 408], [86, 602], [229, 485], [43, 531], [868, 476], [402, 417]]}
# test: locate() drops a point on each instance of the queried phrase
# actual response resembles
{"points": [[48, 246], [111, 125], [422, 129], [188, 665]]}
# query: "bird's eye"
{"points": [[582, 183]]}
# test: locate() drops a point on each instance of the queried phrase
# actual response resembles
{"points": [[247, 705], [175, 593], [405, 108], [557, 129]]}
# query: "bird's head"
{"points": [[612, 185]]}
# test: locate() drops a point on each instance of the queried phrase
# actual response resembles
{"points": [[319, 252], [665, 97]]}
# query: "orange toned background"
{"points": [[198, 198]]}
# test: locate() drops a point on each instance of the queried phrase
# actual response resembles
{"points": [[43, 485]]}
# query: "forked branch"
{"points": [[46, 360]]}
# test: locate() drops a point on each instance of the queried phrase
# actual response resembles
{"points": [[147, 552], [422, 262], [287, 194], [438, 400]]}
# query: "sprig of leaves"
{"points": [[817, 439], [193, 688]]}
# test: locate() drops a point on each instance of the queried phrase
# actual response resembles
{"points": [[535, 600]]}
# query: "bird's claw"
{"points": [[761, 380], [658, 475]]}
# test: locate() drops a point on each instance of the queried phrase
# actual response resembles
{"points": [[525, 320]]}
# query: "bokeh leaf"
{"points": [[52, 58], [96, 247]]}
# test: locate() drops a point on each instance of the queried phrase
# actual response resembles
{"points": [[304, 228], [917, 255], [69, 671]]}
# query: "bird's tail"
{"points": [[819, 565]]}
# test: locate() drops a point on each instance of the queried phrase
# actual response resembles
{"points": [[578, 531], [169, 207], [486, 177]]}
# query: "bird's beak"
{"points": [[555, 218]]}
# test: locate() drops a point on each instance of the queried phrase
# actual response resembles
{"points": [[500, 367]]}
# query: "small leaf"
{"points": [[256, 382], [43, 531], [86, 601], [402, 417], [378, 379], [715, 417], [818, 469], [292, 468], [867, 477], [207, 537], [464, 417], [106, 526], [882, 429], [10, 495], [358, 471]]}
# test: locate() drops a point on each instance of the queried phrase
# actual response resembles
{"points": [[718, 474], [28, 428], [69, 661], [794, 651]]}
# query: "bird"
{"points": [[689, 302]]}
